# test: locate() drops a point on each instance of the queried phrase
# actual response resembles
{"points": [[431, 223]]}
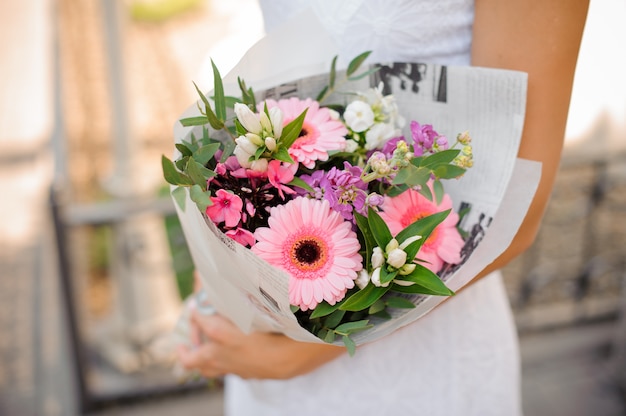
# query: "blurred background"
{"points": [[93, 264]]}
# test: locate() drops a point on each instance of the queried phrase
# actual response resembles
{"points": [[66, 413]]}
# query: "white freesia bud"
{"points": [[351, 146], [259, 165], [246, 144], [243, 157], [391, 245], [376, 136], [407, 269], [359, 116], [376, 278], [401, 282], [378, 257], [362, 279], [266, 124], [276, 117], [270, 142], [255, 139], [396, 258], [409, 240], [247, 118]]}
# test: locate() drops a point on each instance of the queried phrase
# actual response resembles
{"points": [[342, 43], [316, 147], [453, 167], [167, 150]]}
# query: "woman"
{"points": [[469, 364]]}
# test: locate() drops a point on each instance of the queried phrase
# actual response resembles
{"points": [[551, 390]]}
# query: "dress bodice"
{"points": [[387, 27]]}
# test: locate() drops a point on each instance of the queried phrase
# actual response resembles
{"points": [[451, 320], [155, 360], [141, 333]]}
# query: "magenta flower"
{"points": [[226, 208], [243, 237], [315, 246], [444, 244], [279, 173]]}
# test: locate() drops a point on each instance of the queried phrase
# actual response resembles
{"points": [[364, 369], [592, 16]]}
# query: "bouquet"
{"points": [[330, 191]]}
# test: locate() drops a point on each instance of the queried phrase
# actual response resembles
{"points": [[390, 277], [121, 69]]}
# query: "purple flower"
{"points": [[426, 140], [391, 144]]}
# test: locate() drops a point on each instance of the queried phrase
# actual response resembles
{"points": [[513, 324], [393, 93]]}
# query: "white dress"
{"points": [[460, 359]]}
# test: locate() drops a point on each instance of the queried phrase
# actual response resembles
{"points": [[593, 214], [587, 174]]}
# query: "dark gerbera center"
{"points": [[303, 132], [307, 251]]}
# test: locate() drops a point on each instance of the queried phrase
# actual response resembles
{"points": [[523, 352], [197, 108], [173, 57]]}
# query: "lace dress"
{"points": [[460, 359]]}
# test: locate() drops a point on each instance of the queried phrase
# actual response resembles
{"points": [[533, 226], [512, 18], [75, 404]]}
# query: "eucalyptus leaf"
{"points": [[172, 175], [323, 309], [439, 192], [180, 196], [350, 327], [440, 158], [201, 198], [205, 153], [378, 306], [364, 74], [334, 318], [333, 73], [330, 337], [195, 172], [350, 345], [449, 172], [227, 151]]}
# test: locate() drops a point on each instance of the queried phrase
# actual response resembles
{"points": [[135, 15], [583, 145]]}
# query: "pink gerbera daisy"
{"points": [[444, 243], [316, 246], [320, 132]]}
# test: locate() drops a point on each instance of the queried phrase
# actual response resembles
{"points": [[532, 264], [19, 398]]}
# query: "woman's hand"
{"points": [[220, 348]]}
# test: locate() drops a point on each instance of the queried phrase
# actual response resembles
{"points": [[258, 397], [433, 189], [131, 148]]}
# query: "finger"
{"points": [[200, 360], [216, 327]]}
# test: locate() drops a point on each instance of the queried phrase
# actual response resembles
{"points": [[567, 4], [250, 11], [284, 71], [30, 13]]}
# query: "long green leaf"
{"points": [[350, 327], [291, 131], [205, 153], [333, 73], [423, 226], [218, 93], [323, 309], [379, 229], [364, 74], [194, 121], [214, 121], [370, 241], [440, 158], [424, 277], [334, 318], [398, 302], [449, 172], [364, 298], [356, 63]]}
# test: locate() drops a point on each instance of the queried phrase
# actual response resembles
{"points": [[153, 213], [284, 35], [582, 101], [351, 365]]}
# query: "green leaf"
{"points": [[299, 183], [333, 73], [438, 188], [364, 298], [231, 101], [218, 91], [172, 175], [184, 150], [364, 74], [292, 131], [415, 289], [320, 96], [354, 64], [350, 327], [379, 229], [229, 148], [425, 191], [423, 226], [386, 276], [350, 345], [194, 121], [214, 121], [412, 176], [247, 94], [205, 153], [399, 302], [370, 241], [180, 196], [449, 172], [283, 155], [378, 306], [429, 280], [334, 318], [330, 337], [198, 173], [323, 309], [440, 158], [201, 198]]}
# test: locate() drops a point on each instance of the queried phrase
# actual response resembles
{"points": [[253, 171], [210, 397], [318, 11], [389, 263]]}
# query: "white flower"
{"points": [[407, 269], [351, 146], [362, 279], [401, 282], [376, 278], [266, 124], [378, 134], [409, 240], [378, 257], [246, 144], [276, 117], [334, 115], [259, 165], [247, 118], [255, 139], [270, 142], [359, 116], [396, 258], [244, 150], [391, 245]]}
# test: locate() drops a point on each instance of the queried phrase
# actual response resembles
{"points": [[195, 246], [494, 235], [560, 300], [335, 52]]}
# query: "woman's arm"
{"points": [[540, 37]]}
